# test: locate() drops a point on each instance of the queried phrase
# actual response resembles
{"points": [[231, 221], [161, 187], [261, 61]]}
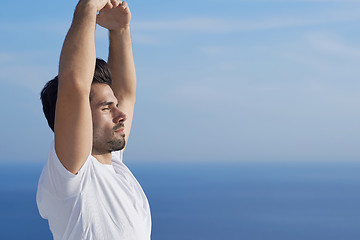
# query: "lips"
{"points": [[119, 128]]}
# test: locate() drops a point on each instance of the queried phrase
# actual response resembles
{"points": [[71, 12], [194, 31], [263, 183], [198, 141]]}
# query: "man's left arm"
{"points": [[121, 61]]}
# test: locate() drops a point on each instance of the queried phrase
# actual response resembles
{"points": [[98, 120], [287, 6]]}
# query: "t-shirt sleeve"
{"points": [[58, 180]]}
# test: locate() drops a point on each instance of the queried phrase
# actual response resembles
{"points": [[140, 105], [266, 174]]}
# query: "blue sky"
{"points": [[227, 80]]}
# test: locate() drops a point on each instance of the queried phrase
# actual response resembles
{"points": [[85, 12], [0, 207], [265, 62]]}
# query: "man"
{"points": [[85, 191]]}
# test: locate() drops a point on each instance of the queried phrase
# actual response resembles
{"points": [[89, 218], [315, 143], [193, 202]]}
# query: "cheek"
{"points": [[102, 123], [98, 117]]}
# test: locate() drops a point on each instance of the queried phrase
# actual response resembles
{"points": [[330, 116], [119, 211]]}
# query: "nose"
{"points": [[119, 116]]}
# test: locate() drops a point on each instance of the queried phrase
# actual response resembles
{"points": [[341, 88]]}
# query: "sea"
{"points": [[216, 201]]}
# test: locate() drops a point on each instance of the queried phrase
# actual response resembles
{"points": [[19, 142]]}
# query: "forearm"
{"points": [[121, 63], [73, 125], [77, 59]]}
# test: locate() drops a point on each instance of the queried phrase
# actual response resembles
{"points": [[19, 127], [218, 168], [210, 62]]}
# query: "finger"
{"points": [[124, 5], [115, 3], [109, 4]]}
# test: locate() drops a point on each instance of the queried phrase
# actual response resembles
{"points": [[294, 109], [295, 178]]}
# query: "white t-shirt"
{"points": [[101, 202]]}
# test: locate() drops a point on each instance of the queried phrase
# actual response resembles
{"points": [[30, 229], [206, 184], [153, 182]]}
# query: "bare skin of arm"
{"points": [[73, 122], [121, 62]]}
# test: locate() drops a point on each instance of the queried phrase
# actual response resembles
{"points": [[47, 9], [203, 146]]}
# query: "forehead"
{"points": [[101, 92]]}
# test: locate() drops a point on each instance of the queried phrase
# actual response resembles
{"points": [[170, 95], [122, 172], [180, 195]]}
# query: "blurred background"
{"points": [[246, 124]]}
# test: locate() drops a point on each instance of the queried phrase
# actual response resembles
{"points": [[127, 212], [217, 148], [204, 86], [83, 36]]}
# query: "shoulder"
{"points": [[56, 179]]}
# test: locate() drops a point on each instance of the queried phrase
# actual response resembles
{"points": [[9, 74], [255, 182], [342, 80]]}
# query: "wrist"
{"points": [[86, 5], [120, 36], [120, 31]]}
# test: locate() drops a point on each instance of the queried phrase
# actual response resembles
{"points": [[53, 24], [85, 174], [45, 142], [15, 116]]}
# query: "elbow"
{"points": [[73, 85]]}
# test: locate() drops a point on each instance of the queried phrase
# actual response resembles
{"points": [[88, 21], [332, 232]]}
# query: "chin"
{"points": [[117, 145]]}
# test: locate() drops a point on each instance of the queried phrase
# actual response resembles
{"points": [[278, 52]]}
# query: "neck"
{"points": [[103, 158]]}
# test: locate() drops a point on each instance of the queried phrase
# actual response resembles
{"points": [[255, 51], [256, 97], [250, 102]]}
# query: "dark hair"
{"points": [[49, 92]]}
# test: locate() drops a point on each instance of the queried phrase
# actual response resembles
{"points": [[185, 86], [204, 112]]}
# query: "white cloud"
{"points": [[146, 39], [53, 27], [296, 76], [216, 50], [202, 24], [30, 69], [221, 25], [331, 44], [6, 57]]}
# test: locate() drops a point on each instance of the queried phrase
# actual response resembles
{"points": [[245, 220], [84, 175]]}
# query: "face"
{"points": [[108, 120]]}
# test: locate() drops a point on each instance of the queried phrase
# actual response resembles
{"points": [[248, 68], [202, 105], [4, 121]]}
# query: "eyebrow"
{"points": [[106, 103]]}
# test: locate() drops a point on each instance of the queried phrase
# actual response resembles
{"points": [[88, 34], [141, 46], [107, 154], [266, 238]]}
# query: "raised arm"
{"points": [[73, 122], [121, 61]]}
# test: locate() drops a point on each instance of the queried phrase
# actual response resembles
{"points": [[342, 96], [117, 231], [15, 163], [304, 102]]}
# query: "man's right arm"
{"points": [[73, 122]]}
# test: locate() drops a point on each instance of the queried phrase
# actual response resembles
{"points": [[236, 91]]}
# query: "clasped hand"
{"points": [[115, 15]]}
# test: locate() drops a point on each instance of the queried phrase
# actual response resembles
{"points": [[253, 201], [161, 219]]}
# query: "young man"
{"points": [[85, 191]]}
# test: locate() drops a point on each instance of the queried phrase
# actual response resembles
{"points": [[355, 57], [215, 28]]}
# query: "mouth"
{"points": [[119, 128]]}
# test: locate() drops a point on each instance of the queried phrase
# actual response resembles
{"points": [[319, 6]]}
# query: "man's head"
{"points": [[108, 120]]}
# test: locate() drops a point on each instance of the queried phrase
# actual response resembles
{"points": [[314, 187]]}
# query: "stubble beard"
{"points": [[116, 144], [107, 146]]}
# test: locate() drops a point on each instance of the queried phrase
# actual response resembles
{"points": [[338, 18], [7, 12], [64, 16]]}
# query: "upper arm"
{"points": [[73, 128], [73, 121], [127, 107], [122, 68]]}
